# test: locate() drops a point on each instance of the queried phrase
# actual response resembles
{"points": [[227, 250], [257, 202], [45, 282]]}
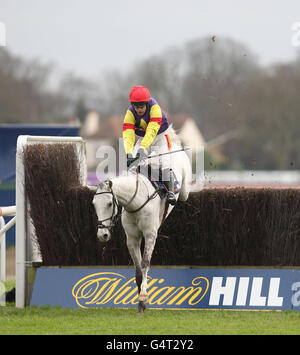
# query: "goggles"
{"points": [[139, 104]]}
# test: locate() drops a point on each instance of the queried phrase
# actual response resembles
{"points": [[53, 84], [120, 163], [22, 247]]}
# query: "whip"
{"points": [[174, 151], [158, 155]]}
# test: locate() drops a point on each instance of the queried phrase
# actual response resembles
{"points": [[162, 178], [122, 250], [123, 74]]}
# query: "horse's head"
{"points": [[106, 207]]}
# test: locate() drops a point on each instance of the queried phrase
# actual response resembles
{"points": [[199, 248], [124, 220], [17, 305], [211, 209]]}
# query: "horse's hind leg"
{"points": [[138, 279]]}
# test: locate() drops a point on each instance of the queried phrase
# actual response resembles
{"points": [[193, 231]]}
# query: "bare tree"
{"points": [[24, 92]]}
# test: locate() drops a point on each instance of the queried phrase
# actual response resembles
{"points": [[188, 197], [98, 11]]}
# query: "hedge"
{"points": [[215, 227]]}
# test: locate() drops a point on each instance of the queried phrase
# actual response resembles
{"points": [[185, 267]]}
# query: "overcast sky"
{"points": [[89, 36]]}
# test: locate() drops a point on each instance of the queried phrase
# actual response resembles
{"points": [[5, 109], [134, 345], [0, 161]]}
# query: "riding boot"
{"points": [[170, 187]]}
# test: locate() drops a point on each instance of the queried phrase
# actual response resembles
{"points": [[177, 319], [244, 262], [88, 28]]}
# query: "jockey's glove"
{"points": [[141, 154], [134, 161], [130, 160]]}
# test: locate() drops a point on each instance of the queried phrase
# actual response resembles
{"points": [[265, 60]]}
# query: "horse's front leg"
{"points": [[150, 239], [134, 248]]}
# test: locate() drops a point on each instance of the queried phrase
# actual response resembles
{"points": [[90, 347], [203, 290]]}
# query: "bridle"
{"points": [[115, 217]]}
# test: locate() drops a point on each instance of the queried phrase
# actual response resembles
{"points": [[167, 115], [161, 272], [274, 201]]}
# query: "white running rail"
{"points": [[5, 211]]}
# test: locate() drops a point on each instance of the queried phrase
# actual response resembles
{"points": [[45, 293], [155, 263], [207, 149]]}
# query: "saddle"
{"points": [[156, 177]]}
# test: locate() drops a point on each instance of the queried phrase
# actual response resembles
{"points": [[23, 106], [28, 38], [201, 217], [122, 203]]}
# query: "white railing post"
{"points": [[2, 252], [21, 225], [5, 211]]}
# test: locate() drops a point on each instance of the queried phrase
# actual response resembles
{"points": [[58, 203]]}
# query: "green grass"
{"points": [[57, 320]]}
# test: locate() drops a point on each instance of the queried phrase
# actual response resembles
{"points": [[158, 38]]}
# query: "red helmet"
{"points": [[139, 94]]}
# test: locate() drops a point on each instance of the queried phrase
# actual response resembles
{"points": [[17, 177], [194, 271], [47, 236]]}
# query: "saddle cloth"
{"points": [[156, 177]]}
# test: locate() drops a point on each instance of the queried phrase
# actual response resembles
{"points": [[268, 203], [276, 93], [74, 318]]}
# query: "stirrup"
{"points": [[171, 198]]}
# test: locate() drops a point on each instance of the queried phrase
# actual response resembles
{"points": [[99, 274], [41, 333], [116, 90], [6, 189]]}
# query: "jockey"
{"points": [[145, 118]]}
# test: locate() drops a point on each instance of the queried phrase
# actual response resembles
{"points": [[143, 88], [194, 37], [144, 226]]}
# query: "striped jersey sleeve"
{"points": [[128, 132], [153, 126]]}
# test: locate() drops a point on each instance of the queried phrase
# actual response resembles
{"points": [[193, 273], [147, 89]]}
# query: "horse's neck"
{"points": [[124, 188]]}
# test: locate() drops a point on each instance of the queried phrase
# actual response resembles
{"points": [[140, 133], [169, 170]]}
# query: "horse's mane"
{"points": [[173, 136]]}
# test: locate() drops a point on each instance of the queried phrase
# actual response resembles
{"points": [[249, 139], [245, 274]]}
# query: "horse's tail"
{"points": [[186, 178], [186, 170]]}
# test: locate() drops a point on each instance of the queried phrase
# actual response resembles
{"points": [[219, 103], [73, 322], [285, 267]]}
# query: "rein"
{"points": [[145, 203], [136, 190]]}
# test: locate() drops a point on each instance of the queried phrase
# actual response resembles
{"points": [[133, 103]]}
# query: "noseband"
{"points": [[113, 217]]}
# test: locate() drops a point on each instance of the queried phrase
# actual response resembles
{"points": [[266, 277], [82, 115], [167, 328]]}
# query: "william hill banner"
{"points": [[240, 289]]}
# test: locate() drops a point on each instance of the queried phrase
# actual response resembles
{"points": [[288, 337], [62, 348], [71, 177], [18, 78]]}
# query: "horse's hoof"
{"points": [[141, 307]]}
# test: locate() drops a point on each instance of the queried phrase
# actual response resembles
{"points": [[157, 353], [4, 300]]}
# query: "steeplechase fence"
{"points": [[210, 240], [27, 248]]}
